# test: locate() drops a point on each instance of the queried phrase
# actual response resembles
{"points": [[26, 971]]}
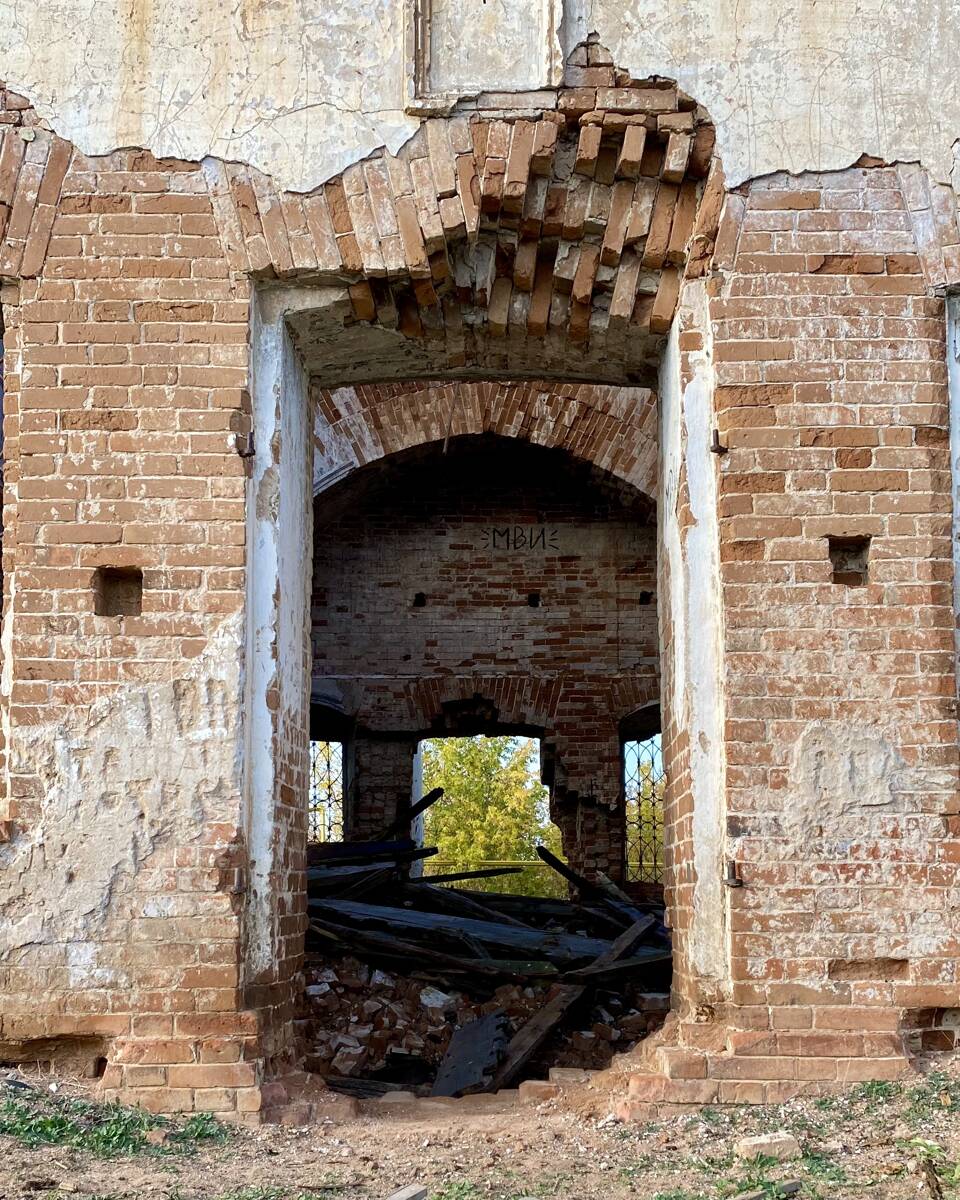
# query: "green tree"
{"points": [[494, 807]]}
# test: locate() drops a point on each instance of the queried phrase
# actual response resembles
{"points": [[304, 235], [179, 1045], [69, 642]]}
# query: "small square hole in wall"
{"points": [[849, 558], [118, 592]]}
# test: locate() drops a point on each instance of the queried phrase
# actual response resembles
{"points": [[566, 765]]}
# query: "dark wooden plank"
{"points": [[450, 900], [603, 889], [327, 850], [473, 1055], [330, 878], [374, 858], [535, 942], [410, 953], [458, 876], [407, 816]]}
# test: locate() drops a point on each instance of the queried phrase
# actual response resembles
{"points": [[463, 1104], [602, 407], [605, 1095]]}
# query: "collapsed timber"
{"points": [[414, 985]]}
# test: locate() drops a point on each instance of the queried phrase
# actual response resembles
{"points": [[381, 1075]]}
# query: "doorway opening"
{"points": [[483, 611]]}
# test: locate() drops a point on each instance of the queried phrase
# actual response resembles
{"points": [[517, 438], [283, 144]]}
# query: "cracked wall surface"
{"points": [[301, 91], [133, 788]]}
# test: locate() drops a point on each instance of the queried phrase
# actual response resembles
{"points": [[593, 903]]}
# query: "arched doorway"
{"points": [[562, 260]]}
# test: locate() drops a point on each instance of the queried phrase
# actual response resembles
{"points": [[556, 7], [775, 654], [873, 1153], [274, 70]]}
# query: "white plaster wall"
{"points": [[279, 541], [301, 88], [690, 595]]}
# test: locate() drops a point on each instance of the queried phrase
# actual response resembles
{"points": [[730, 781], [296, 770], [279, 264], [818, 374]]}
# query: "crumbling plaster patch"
{"points": [[301, 90], [144, 769]]}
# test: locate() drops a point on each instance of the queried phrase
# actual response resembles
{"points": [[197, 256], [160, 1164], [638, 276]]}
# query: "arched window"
{"points": [[644, 782]]}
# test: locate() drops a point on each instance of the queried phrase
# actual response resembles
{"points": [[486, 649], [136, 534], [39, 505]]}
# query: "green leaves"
{"points": [[106, 1130], [494, 807]]}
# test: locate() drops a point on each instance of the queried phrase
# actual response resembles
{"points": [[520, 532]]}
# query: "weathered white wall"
{"points": [[689, 591], [300, 88]]}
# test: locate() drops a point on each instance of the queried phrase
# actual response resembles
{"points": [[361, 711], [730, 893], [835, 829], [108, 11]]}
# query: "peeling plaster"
{"points": [[145, 769], [280, 540], [691, 584], [302, 90]]}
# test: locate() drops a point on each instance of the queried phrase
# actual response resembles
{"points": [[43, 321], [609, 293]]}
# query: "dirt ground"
{"points": [[878, 1140]]}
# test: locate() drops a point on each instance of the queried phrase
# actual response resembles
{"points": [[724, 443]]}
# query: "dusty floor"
{"points": [[878, 1140]]}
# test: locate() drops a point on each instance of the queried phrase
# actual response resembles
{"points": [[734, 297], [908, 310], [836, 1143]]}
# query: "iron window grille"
{"points": [[644, 784], [326, 792]]}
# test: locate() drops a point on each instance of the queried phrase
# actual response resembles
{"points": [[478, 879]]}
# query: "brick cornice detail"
{"points": [[580, 218]]}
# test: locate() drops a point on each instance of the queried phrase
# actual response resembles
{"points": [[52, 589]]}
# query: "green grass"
{"points": [[273, 1193], [876, 1091], [938, 1093], [38, 1118], [820, 1166], [462, 1190]]}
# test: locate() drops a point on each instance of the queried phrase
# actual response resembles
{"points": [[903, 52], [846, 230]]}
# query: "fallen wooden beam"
{"points": [[371, 858], [404, 819], [531, 1036], [565, 947], [450, 900], [602, 888], [410, 952], [457, 876]]}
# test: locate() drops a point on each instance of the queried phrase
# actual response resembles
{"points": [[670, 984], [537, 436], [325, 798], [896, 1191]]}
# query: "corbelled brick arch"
{"points": [[614, 428], [492, 243]]}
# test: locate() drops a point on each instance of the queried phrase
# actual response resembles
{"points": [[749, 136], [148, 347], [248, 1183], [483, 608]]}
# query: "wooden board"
{"points": [[473, 1056], [535, 943]]}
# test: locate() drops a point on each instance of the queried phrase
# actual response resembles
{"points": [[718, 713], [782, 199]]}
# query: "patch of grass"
{"points": [[38, 1118], [677, 1194], [875, 1091], [755, 1177], [267, 1192], [820, 1166], [937, 1093], [637, 1168], [459, 1190]]}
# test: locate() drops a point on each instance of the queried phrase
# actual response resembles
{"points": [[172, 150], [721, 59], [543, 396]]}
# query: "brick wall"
{"points": [[841, 742], [125, 363], [124, 854]]}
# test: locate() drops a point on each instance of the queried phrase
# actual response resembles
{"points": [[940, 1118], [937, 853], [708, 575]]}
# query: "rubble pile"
{"points": [[362, 1023], [413, 984]]}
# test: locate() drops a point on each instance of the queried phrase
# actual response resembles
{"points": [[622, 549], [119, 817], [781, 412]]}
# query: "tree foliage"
{"points": [[494, 807]]}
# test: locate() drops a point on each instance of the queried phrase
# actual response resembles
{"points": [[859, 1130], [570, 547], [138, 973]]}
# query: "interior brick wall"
{"points": [[424, 570]]}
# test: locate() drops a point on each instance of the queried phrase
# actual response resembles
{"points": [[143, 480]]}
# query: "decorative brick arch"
{"points": [[613, 428]]}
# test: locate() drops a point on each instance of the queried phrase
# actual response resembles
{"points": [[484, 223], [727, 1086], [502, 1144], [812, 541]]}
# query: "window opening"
{"points": [[494, 813], [118, 592], [849, 560], [644, 784], [326, 792]]}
